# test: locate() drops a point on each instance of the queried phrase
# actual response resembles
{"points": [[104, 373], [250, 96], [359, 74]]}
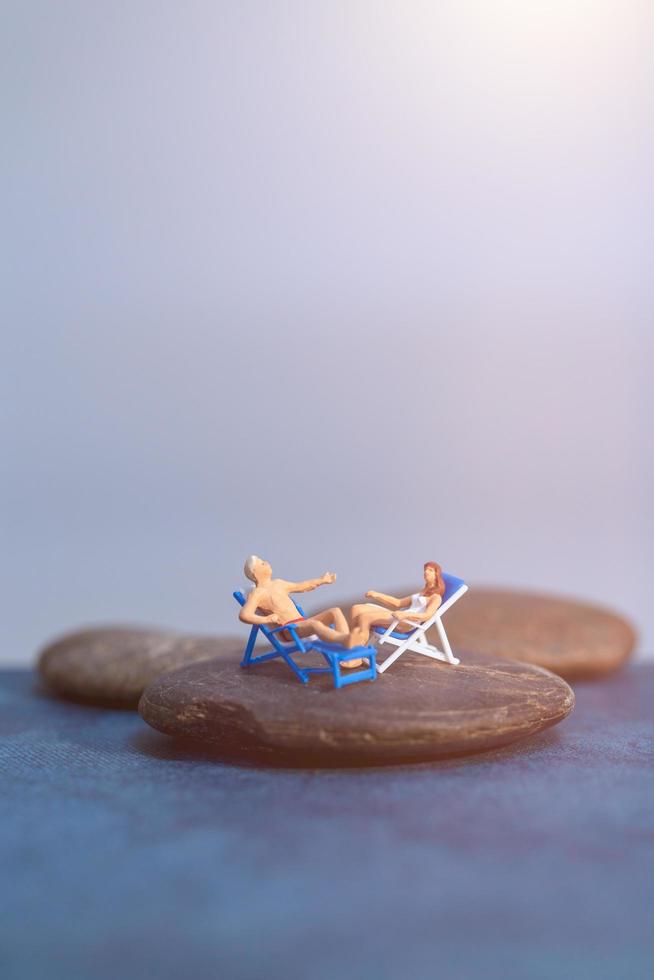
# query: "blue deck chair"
{"points": [[333, 653], [416, 639]]}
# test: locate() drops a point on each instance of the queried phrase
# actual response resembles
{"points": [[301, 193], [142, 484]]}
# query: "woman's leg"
{"points": [[364, 617], [367, 608]]}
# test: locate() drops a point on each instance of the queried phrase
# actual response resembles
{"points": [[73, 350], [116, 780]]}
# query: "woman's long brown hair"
{"points": [[439, 586]]}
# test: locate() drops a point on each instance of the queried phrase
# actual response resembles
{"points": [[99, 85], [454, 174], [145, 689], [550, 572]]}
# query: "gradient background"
{"points": [[351, 285]]}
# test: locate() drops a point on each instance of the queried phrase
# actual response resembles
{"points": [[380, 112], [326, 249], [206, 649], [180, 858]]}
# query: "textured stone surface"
{"points": [[420, 709], [573, 639], [112, 665]]}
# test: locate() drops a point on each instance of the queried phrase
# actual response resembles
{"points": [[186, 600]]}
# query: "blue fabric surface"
{"points": [[124, 855]]}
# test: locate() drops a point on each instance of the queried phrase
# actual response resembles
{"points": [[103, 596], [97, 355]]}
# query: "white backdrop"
{"points": [[350, 285]]}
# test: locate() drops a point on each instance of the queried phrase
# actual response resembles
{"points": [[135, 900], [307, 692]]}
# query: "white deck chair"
{"points": [[416, 640]]}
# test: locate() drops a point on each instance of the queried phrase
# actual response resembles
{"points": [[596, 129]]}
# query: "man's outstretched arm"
{"points": [[311, 583]]}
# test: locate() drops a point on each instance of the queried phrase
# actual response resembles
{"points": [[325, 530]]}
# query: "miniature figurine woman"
{"points": [[417, 608]]}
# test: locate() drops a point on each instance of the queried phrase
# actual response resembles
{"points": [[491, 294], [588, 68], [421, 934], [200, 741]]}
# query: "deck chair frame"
{"points": [[416, 640]]}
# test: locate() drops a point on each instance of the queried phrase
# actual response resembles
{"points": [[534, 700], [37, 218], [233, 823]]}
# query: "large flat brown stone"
{"points": [[112, 665], [418, 710], [576, 640]]}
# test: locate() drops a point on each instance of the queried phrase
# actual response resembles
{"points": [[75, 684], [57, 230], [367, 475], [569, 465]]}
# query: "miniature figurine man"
{"points": [[272, 596]]}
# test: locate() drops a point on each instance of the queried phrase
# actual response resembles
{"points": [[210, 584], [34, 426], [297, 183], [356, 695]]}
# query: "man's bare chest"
{"points": [[274, 599]]}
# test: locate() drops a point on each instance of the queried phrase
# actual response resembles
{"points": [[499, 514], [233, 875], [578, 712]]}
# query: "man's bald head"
{"points": [[256, 568]]}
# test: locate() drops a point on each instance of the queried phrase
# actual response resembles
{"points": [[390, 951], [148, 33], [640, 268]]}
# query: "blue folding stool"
{"points": [[333, 653]]}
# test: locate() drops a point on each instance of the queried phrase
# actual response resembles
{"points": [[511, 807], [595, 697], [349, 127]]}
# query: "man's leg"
{"points": [[333, 616], [320, 624]]}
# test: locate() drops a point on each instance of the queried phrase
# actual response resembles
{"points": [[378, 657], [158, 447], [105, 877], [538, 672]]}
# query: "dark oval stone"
{"points": [[112, 665], [573, 639], [418, 710]]}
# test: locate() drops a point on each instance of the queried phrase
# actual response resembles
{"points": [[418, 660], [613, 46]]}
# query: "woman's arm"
{"points": [[422, 617], [389, 600]]}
